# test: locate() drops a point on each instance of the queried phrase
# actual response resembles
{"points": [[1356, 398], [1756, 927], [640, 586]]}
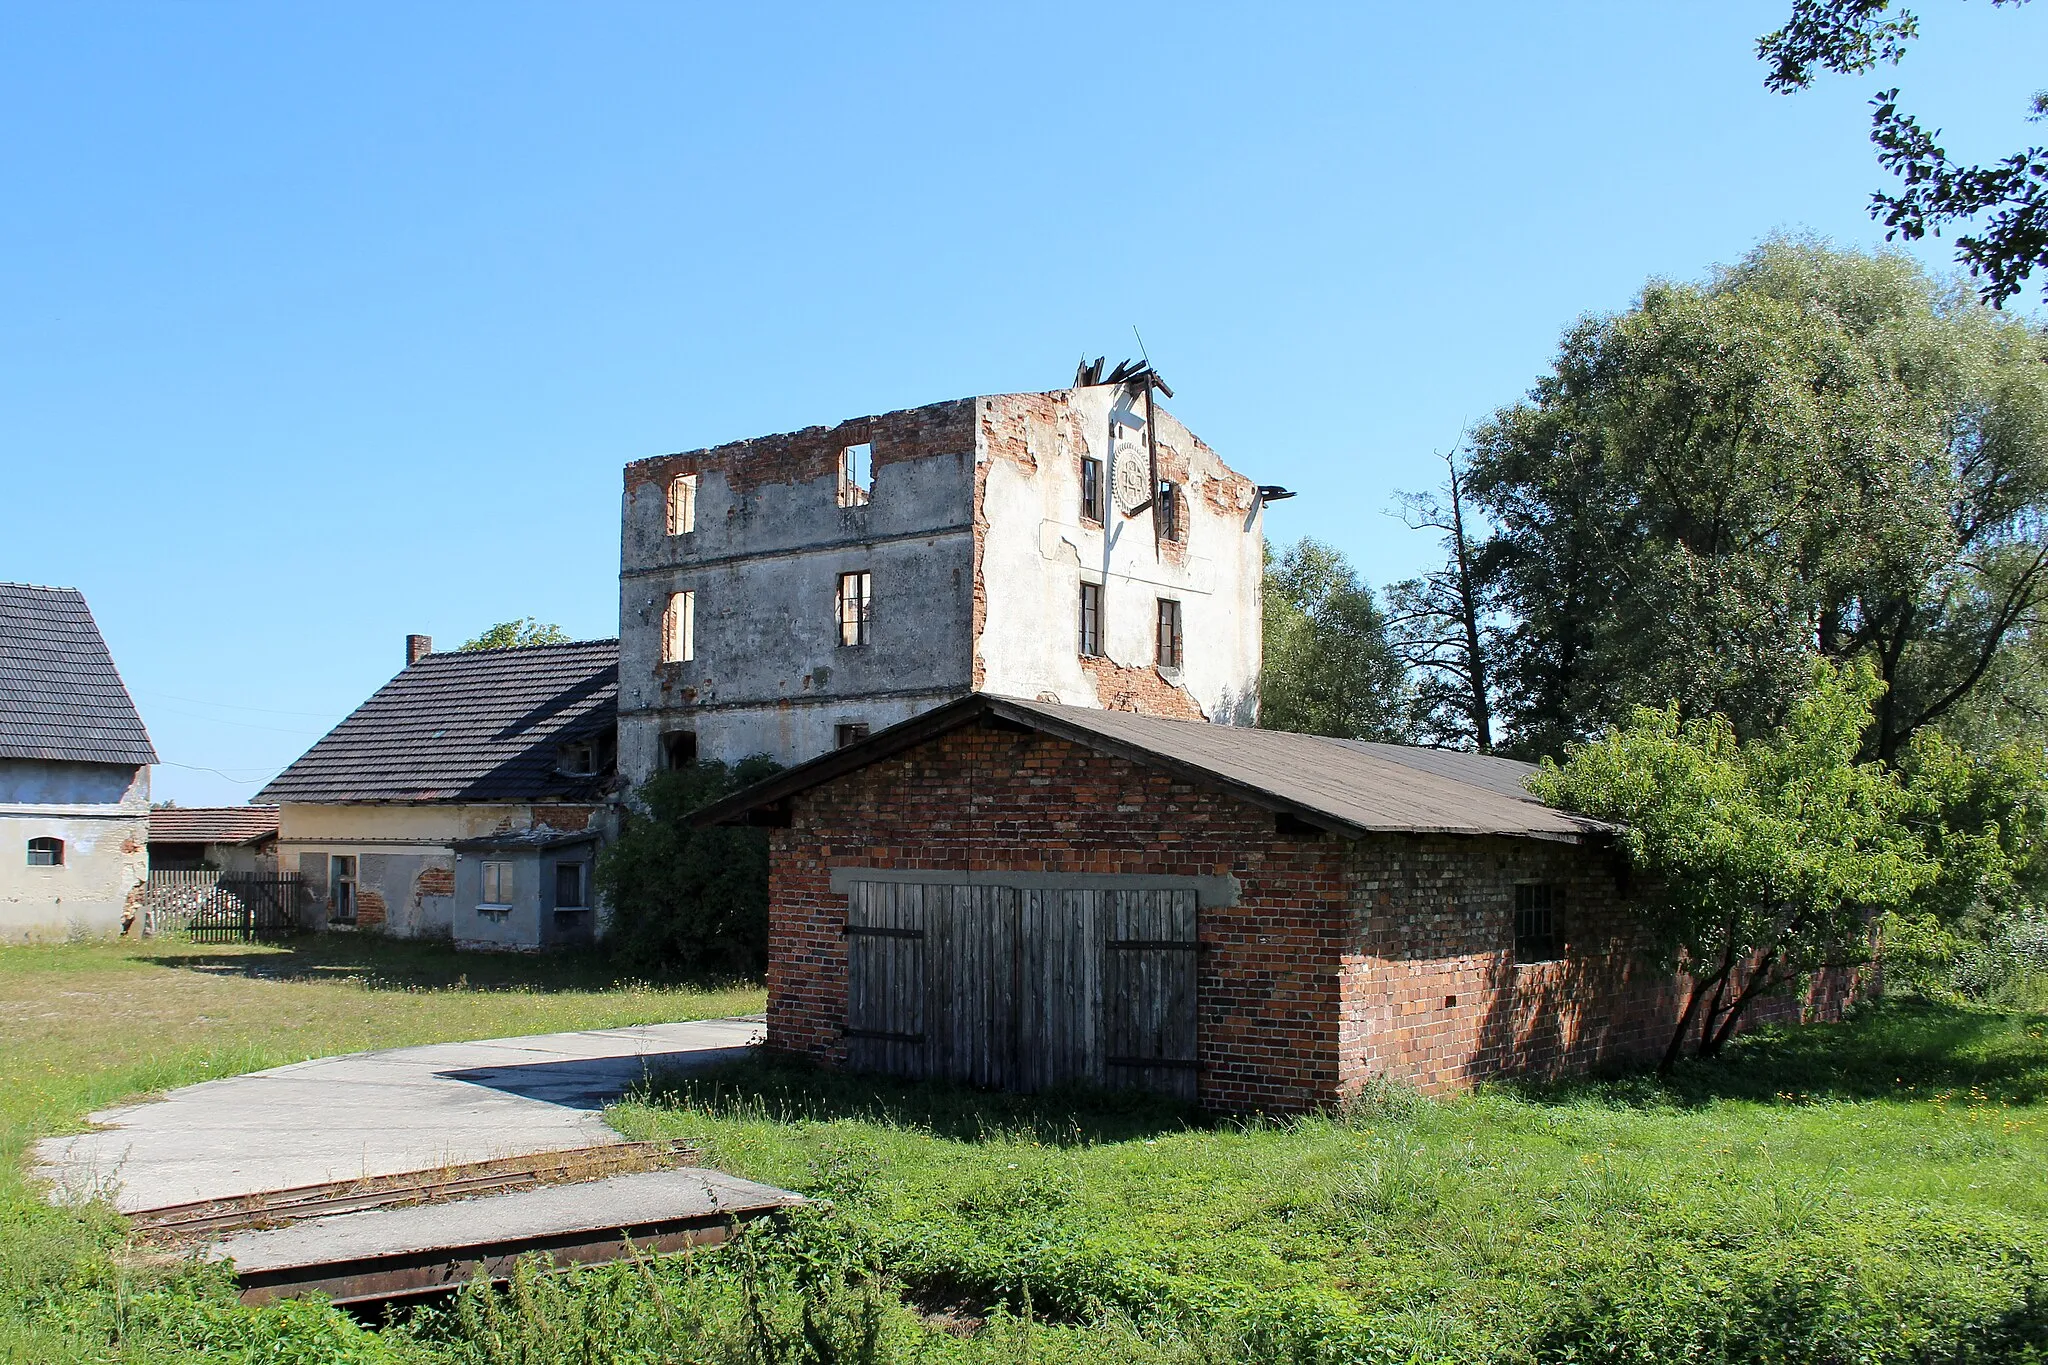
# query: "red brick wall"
{"points": [[1341, 961]]}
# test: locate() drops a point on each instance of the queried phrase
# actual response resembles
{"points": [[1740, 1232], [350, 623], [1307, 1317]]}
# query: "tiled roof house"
{"points": [[74, 772], [465, 798]]}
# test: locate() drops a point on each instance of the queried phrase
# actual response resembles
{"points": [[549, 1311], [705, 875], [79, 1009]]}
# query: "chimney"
{"points": [[417, 647]]}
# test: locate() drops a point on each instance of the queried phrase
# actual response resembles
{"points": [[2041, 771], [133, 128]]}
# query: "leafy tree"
{"points": [[518, 635], [1328, 668], [686, 898], [1440, 628], [1853, 36], [1767, 859], [1816, 451]]}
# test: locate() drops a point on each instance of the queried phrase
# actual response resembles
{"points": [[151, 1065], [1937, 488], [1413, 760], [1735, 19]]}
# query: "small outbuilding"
{"points": [[237, 839], [1020, 894]]}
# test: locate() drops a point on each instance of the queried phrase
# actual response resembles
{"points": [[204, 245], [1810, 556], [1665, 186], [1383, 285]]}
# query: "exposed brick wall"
{"points": [[370, 909], [1341, 961], [813, 453]]}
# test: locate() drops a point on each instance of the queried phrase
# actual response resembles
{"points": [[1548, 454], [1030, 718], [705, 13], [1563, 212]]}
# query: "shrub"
{"points": [[684, 898]]}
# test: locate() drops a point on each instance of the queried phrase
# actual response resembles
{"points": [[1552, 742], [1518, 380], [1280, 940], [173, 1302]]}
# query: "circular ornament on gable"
{"points": [[1132, 479]]}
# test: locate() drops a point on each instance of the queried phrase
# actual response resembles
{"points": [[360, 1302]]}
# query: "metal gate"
{"points": [[1023, 989], [221, 907]]}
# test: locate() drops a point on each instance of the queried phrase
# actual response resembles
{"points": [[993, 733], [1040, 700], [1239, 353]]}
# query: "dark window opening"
{"points": [[1536, 936], [1091, 489], [569, 881], [1091, 619], [852, 732], [1169, 633], [1171, 525], [679, 748], [46, 853], [341, 888], [856, 598]]}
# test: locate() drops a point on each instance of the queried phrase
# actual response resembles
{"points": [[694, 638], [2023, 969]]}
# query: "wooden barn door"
{"points": [[1023, 989]]}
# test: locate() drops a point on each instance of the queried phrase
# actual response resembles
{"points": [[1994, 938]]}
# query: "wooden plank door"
{"points": [[1148, 982], [886, 987]]}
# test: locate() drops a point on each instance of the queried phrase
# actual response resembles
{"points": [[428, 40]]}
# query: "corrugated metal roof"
{"points": [[468, 725], [61, 698], [211, 824], [1344, 785]]}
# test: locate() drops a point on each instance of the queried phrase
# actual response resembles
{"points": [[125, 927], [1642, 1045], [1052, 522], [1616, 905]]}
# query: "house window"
{"points": [[341, 888], [856, 597], [682, 504], [856, 474], [46, 853], [1091, 489], [1536, 936], [1091, 619], [679, 748], [569, 881], [497, 876], [1169, 633], [577, 760], [852, 732], [1171, 525], [679, 628]]}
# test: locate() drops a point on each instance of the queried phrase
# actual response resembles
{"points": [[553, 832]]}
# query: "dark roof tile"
{"points": [[61, 697]]}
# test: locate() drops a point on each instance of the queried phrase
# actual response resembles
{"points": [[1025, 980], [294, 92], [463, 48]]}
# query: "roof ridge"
{"points": [[519, 649]]}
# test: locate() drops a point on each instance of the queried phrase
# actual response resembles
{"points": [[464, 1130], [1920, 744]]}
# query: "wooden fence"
{"points": [[222, 907]]}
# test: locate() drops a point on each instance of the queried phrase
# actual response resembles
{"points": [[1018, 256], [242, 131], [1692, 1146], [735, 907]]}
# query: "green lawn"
{"points": [[1867, 1192]]}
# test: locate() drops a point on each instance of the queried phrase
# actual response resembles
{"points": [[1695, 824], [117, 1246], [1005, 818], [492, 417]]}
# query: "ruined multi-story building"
{"points": [[788, 594]]}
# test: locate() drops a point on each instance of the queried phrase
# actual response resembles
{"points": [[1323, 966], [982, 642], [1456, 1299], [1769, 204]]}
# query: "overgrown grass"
{"points": [[1870, 1192], [88, 1025]]}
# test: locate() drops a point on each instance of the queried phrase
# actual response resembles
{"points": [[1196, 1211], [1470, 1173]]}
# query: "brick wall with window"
{"points": [[1342, 960]]}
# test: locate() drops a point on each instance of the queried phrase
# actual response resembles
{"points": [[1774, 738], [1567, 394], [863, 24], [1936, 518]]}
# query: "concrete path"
{"points": [[374, 1113]]}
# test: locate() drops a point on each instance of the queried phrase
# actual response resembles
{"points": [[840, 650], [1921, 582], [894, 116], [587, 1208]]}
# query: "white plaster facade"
{"points": [[99, 812], [974, 540]]}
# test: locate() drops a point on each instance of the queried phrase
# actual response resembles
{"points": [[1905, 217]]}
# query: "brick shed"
{"points": [[1021, 894]]}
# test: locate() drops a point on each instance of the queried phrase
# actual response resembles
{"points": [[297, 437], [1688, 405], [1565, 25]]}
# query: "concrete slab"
{"points": [[374, 1113]]}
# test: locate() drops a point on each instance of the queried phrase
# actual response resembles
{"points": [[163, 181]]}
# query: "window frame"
{"points": [[1167, 501], [581, 870], [860, 623], [681, 624], [1091, 490], [849, 732], [498, 871], [1537, 936], [682, 505], [51, 846], [341, 887], [1169, 642], [853, 492], [1089, 645]]}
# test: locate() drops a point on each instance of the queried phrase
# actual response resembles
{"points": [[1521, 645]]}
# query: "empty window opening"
{"points": [[341, 888], [1169, 633], [856, 474], [1172, 525], [569, 882], [855, 604], [682, 504], [46, 853], [497, 887], [851, 732], [1091, 619], [577, 760], [1091, 489], [679, 748], [1536, 936], [679, 628]]}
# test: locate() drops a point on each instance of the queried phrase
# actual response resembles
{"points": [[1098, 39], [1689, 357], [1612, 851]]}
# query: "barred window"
{"points": [[1169, 633], [1091, 488], [1536, 933], [1091, 619], [856, 600], [682, 504]]}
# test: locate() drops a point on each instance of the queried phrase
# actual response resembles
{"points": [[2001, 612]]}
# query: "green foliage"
{"points": [[1817, 451], [518, 635], [1764, 861], [1328, 668], [683, 898]]}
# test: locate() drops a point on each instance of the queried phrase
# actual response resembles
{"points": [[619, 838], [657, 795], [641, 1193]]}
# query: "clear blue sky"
{"points": [[326, 323]]}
